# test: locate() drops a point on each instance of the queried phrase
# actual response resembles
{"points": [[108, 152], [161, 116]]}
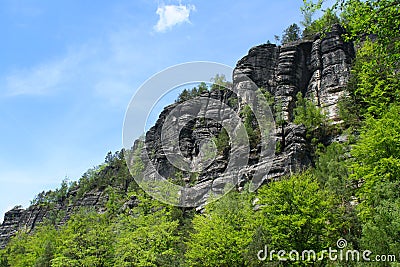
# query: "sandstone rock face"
{"points": [[27, 219], [317, 68]]}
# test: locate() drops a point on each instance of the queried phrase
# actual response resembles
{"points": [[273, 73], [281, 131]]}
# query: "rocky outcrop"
{"points": [[27, 219], [319, 69]]}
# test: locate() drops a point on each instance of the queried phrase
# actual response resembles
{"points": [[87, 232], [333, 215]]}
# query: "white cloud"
{"points": [[105, 69], [172, 15]]}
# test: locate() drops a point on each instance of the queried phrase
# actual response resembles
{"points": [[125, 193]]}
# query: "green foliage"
{"points": [[136, 162], [4, 259], [89, 181], [349, 112], [86, 240], [278, 147], [308, 114], [332, 169], [220, 83], [296, 213], [51, 197], [222, 141], [31, 250], [375, 76], [378, 17], [222, 234], [381, 232], [278, 114], [291, 34], [375, 82], [148, 238], [376, 168], [187, 94], [308, 10], [251, 126], [323, 24], [377, 154], [275, 106]]}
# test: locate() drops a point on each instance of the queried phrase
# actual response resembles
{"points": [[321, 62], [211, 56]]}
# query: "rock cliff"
{"points": [[319, 68]]}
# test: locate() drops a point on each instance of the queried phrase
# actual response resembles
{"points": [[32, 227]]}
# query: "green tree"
{"points": [[308, 114], [222, 233], [220, 82], [148, 237], [376, 168], [380, 230], [291, 34], [375, 83], [308, 10], [251, 126], [86, 240], [322, 24], [296, 214], [32, 249], [377, 155], [332, 169], [222, 141], [377, 17], [373, 26]]}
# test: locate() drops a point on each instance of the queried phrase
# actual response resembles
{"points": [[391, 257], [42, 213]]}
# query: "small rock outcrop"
{"points": [[27, 219]]}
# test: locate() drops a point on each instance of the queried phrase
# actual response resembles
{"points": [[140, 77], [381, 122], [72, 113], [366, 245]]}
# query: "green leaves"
{"points": [[374, 83], [222, 234], [86, 240], [298, 214], [379, 17], [146, 240], [377, 153], [31, 250], [307, 113], [376, 168], [291, 34], [308, 10], [374, 25], [323, 24]]}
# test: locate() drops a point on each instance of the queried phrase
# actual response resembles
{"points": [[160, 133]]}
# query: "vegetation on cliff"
{"points": [[350, 192]]}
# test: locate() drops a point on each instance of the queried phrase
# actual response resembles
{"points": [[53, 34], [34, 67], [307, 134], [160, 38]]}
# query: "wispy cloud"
{"points": [[172, 15], [105, 68], [44, 78]]}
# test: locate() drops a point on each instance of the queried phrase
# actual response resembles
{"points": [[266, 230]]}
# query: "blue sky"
{"points": [[68, 70]]}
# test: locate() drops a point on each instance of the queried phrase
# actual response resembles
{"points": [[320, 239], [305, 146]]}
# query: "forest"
{"points": [[351, 193]]}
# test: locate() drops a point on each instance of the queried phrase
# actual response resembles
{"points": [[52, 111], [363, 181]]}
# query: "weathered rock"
{"points": [[19, 218], [318, 68]]}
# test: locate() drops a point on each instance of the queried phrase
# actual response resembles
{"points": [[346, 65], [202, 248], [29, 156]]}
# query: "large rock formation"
{"points": [[27, 219], [317, 68]]}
